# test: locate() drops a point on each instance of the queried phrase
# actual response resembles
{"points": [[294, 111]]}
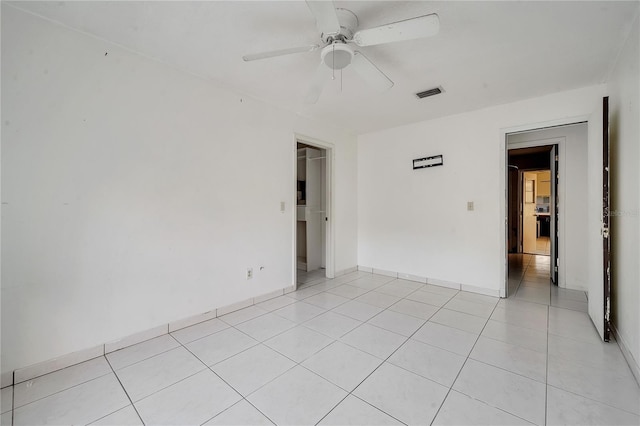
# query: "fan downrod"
{"points": [[348, 25]]}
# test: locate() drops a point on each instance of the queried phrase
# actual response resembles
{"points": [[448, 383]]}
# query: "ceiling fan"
{"points": [[338, 33]]}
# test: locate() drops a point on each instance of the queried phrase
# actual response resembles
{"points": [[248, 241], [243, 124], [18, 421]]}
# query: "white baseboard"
{"points": [[188, 322], [268, 296], [6, 379], [480, 290], [345, 271], [410, 277], [633, 364], [443, 283], [432, 281], [31, 372], [385, 273], [235, 307], [136, 338]]}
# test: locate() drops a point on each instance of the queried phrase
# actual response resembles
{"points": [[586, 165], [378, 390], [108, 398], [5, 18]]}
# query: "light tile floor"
{"points": [[543, 246], [303, 276], [359, 349], [529, 281]]}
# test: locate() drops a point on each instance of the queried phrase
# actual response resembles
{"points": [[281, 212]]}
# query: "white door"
{"points": [[529, 219]]}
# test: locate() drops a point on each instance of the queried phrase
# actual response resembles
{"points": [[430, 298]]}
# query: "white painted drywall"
{"points": [[572, 192], [135, 194], [624, 103], [416, 221]]}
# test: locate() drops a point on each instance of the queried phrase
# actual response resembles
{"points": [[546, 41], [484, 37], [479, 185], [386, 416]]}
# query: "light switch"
{"points": [[470, 205], [282, 206]]}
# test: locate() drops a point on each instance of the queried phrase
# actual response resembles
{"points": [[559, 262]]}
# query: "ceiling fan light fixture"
{"points": [[337, 55]]}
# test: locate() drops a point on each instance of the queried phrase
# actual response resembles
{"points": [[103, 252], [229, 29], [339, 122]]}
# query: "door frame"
{"points": [[329, 198], [560, 243], [503, 179]]}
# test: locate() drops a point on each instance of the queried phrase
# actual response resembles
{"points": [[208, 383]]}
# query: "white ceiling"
{"points": [[486, 53]]}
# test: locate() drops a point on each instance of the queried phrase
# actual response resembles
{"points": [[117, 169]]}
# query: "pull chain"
{"points": [[333, 67]]}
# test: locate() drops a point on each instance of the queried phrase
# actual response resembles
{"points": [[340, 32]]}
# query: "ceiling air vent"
{"points": [[430, 92]]}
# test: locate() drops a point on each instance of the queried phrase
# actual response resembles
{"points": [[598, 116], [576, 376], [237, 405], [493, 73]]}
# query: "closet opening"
{"points": [[313, 251]]}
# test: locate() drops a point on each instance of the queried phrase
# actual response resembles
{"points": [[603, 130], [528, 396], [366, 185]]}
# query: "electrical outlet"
{"points": [[249, 273], [470, 205]]}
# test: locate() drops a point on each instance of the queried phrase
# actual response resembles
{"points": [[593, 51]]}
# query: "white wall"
{"points": [[572, 192], [416, 222], [624, 102], [134, 194]]}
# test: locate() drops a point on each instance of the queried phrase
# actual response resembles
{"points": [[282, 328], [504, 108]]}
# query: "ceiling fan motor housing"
{"points": [[348, 25]]}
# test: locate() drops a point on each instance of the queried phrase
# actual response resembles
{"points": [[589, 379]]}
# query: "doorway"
{"points": [[535, 208], [313, 250], [531, 221], [530, 203], [568, 188]]}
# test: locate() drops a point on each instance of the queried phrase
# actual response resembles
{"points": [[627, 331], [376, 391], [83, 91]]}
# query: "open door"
{"points": [[553, 213], [599, 262], [529, 218]]}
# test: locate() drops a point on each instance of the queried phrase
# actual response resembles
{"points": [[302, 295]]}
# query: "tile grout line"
{"points": [[281, 374], [165, 387], [546, 376], [125, 392], [13, 403], [462, 367], [398, 348], [144, 359], [407, 338], [368, 375], [500, 368], [207, 367], [238, 402], [596, 401], [58, 391], [377, 408], [294, 361]]}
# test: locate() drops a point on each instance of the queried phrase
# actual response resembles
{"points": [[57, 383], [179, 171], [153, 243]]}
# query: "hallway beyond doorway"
{"points": [[543, 246], [303, 277], [529, 280]]}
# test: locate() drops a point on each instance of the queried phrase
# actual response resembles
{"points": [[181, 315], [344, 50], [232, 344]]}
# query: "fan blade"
{"points": [[370, 73], [422, 26], [280, 52], [318, 81], [326, 17]]}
